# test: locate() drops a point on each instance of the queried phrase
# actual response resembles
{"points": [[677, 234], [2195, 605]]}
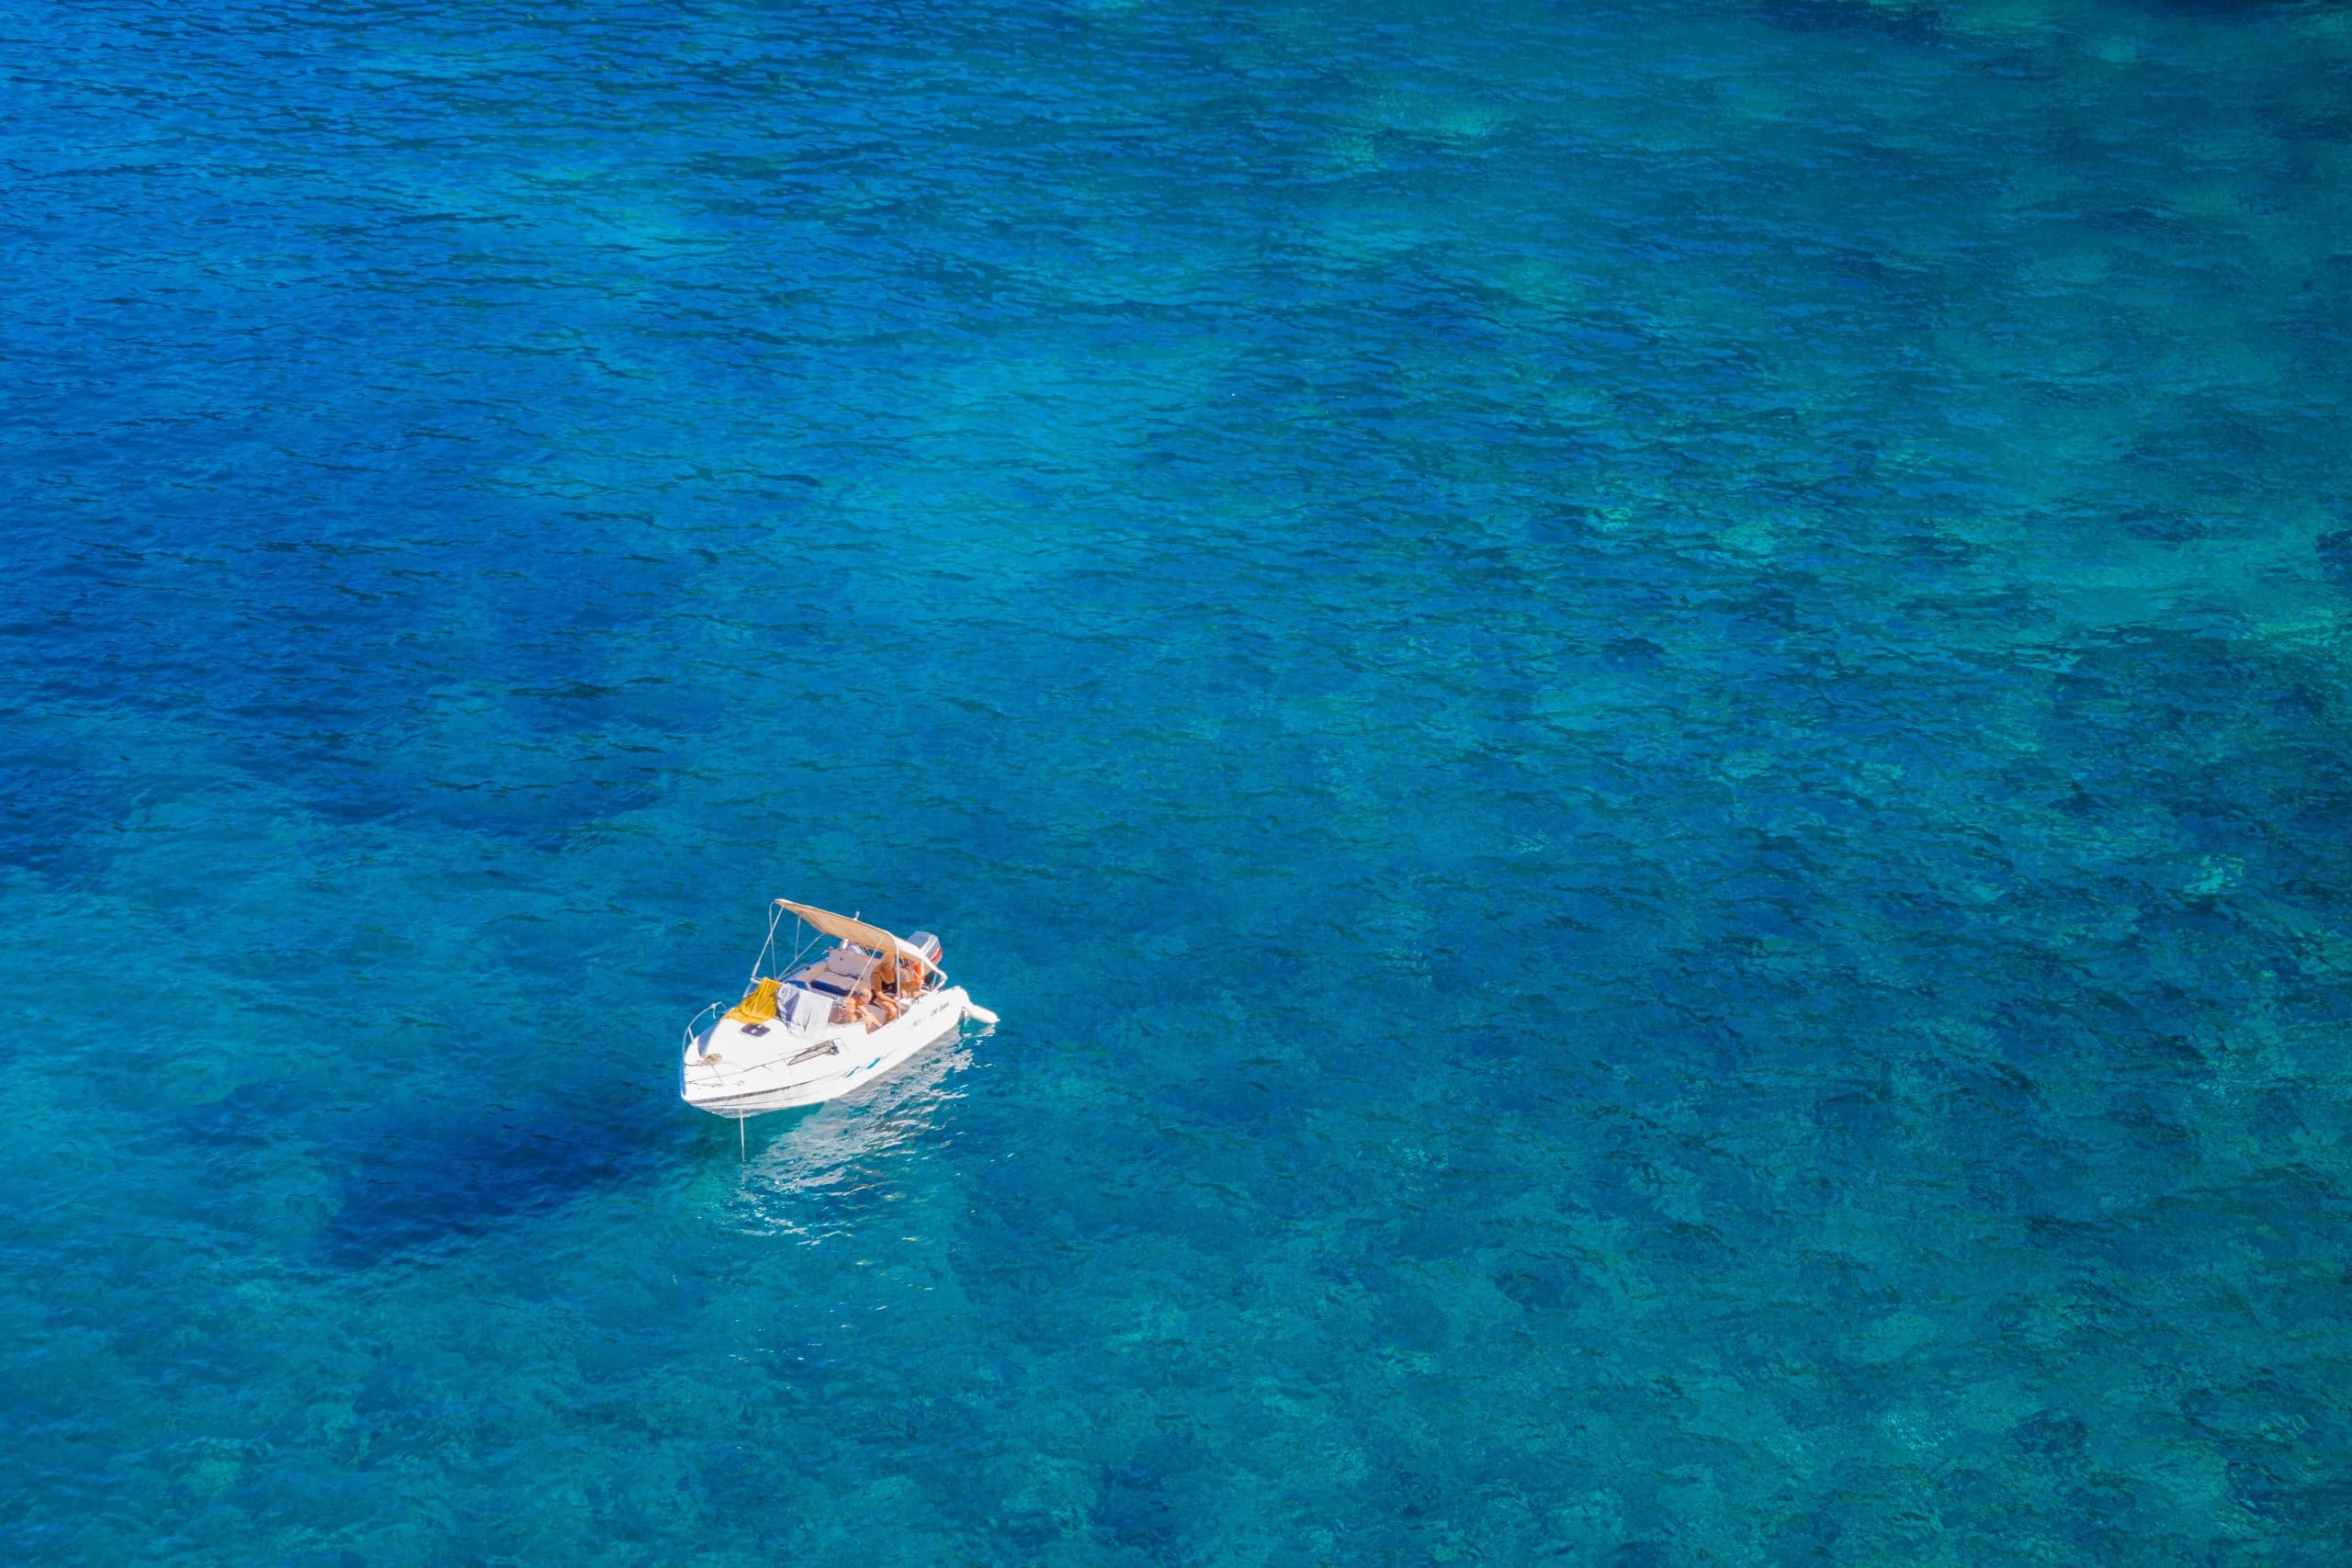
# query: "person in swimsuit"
{"points": [[898, 981], [853, 1008], [864, 1006]]}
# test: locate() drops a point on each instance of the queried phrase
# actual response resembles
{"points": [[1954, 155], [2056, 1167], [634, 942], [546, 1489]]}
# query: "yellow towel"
{"points": [[759, 1007]]}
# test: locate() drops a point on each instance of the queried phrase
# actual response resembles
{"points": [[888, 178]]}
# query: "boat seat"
{"points": [[837, 972]]}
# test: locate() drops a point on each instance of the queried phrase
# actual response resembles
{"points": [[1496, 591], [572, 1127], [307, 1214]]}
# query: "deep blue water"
{"points": [[1642, 712]]}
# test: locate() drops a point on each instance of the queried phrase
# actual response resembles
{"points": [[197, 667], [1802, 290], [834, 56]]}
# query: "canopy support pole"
{"points": [[775, 913]]}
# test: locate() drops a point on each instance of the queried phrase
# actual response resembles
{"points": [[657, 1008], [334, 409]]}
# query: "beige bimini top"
{"points": [[849, 929]]}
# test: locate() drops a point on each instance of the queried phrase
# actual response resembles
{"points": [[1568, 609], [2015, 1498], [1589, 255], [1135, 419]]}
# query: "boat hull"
{"points": [[730, 1072]]}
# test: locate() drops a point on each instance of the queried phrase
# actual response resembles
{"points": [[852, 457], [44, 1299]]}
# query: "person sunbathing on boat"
{"points": [[898, 977], [863, 1006]]}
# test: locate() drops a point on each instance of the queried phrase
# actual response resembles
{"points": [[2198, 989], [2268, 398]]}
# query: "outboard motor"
{"points": [[928, 945]]}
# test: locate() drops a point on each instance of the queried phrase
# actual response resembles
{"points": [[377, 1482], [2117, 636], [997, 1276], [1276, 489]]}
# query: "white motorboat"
{"points": [[826, 1024]]}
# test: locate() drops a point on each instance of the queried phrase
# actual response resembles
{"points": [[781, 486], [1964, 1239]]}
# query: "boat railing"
{"points": [[694, 1028]]}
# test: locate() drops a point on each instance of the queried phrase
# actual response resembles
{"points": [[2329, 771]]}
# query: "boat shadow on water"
{"points": [[413, 1186]]}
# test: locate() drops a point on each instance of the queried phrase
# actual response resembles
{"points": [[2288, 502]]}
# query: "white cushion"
{"points": [[803, 1012]]}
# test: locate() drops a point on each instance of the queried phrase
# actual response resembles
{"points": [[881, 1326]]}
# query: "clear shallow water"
{"points": [[1641, 713]]}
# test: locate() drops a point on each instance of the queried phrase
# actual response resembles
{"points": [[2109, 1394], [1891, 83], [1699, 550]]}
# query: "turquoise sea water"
{"points": [[1641, 711]]}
